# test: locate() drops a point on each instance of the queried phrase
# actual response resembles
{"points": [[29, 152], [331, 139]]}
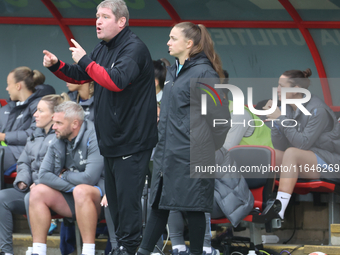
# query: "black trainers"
{"points": [[111, 252], [121, 251], [114, 251]]}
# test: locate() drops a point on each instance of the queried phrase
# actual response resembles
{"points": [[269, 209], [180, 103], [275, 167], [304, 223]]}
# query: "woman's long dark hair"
{"points": [[160, 70]]}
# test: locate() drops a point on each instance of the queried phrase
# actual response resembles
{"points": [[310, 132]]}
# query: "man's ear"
{"points": [[18, 85], [122, 22], [75, 124]]}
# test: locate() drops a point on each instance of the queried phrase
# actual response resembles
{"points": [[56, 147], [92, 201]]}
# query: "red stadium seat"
{"points": [[303, 187], [3, 102], [261, 185], [10, 179]]}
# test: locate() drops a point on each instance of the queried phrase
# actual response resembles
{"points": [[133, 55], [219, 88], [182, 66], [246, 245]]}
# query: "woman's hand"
{"points": [[158, 112], [32, 186], [104, 201], [62, 171], [2, 137], [275, 114], [22, 185]]}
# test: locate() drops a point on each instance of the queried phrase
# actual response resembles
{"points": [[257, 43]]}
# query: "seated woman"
{"points": [[16, 118], [12, 200], [160, 74], [82, 94], [309, 150]]}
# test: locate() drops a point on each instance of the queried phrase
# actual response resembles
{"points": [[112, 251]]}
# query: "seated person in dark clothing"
{"points": [[83, 94], [307, 146], [16, 118]]}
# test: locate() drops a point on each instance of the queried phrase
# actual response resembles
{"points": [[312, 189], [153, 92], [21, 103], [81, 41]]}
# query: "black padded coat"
{"points": [[185, 134]]}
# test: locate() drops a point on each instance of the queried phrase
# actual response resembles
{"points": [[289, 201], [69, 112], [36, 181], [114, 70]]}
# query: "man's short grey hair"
{"points": [[71, 110], [118, 8]]}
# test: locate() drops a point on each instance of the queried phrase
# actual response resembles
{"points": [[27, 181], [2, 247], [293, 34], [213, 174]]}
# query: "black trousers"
{"points": [[156, 224], [124, 181]]}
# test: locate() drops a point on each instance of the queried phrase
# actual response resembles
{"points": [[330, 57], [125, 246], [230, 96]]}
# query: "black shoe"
{"points": [[114, 251], [122, 251]]}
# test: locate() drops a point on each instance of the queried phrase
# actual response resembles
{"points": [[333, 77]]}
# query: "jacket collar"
{"points": [[73, 96], [37, 94], [75, 141], [297, 112], [40, 132], [26, 102], [87, 102], [118, 39], [198, 59]]}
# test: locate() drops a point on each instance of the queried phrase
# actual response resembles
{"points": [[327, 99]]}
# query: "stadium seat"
{"points": [[261, 184], [9, 179], [3, 102], [330, 186], [5, 181]]}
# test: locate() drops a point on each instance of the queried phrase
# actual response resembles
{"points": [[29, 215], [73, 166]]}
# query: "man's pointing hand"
{"points": [[77, 52]]}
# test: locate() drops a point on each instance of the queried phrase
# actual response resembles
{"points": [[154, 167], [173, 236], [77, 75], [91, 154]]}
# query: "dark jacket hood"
{"points": [[45, 89]]}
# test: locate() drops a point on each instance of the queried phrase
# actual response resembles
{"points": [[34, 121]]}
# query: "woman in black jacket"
{"points": [[16, 118], [186, 138]]}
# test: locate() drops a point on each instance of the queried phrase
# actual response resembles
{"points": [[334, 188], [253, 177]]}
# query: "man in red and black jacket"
{"points": [[125, 112]]}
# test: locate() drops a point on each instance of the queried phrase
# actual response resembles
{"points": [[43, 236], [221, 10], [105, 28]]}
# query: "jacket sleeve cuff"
{"points": [[278, 124], [84, 62], [55, 67], [8, 138]]}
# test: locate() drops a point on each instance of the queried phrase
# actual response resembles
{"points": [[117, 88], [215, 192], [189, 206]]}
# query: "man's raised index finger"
{"points": [[75, 43], [46, 52]]}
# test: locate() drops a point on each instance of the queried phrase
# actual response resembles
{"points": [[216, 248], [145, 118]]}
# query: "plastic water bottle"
{"points": [[251, 252], [270, 239], [29, 251]]}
